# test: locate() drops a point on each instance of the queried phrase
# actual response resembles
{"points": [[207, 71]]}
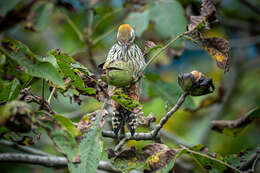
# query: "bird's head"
{"points": [[125, 36]]}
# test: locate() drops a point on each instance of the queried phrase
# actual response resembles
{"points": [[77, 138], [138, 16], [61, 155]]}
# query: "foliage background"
{"points": [[63, 24]]}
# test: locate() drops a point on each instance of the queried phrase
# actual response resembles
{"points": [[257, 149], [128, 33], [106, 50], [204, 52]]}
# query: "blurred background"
{"points": [[86, 30]]}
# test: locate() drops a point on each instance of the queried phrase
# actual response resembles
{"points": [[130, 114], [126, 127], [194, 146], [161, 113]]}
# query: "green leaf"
{"points": [[244, 160], [72, 70], [17, 116], [235, 127], [31, 63], [159, 156], [90, 150], [62, 138], [11, 69], [126, 101], [10, 92], [81, 68], [153, 49], [67, 123], [208, 162], [139, 21], [197, 147], [168, 18], [170, 92]]}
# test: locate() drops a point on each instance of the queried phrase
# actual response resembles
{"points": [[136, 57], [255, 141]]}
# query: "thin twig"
{"points": [[52, 92], [74, 27], [89, 41], [42, 101], [169, 114], [48, 161], [212, 158], [105, 17], [153, 135], [241, 122], [23, 148], [101, 37], [162, 49], [90, 21], [120, 144]]}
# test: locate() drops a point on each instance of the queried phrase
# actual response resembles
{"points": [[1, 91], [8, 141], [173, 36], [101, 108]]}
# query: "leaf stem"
{"points": [[73, 25], [162, 49], [212, 158], [101, 37], [105, 17], [52, 92], [90, 21], [42, 101]]}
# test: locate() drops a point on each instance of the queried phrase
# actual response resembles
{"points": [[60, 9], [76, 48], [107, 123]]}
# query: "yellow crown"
{"points": [[125, 28]]}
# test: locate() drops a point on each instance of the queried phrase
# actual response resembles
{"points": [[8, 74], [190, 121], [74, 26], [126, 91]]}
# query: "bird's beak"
{"points": [[124, 47]]}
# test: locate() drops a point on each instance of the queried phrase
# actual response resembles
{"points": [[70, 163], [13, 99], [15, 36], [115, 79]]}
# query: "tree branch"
{"points": [[23, 148], [169, 114], [218, 125], [153, 135], [48, 161]]}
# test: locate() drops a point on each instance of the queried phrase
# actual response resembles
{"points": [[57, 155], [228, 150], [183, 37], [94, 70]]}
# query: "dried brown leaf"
{"points": [[218, 48], [157, 156], [195, 21], [128, 154], [148, 45], [87, 121], [208, 9], [152, 149], [146, 121], [206, 18]]}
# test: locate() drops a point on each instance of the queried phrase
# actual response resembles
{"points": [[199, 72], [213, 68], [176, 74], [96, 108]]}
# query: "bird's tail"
{"points": [[121, 117]]}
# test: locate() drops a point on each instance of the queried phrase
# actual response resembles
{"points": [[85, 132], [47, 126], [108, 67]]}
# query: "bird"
{"points": [[131, 56]]}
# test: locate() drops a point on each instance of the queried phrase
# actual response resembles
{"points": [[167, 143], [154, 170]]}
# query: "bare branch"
{"points": [[137, 136], [120, 144], [153, 135], [48, 161], [23, 148], [169, 114], [220, 125]]}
